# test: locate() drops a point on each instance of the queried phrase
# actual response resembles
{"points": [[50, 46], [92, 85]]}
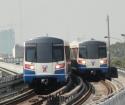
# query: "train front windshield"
{"points": [[92, 51], [44, 53]]}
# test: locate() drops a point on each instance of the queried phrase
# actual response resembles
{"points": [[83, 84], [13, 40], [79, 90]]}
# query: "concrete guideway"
{"points": [[11, 68], [117, 97]]}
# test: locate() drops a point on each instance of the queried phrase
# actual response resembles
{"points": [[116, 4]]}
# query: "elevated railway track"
{"points": [[72, 93], [75, 92]]}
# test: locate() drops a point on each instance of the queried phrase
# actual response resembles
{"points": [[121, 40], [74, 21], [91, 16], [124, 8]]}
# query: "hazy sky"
{"points": [[67, 19]]}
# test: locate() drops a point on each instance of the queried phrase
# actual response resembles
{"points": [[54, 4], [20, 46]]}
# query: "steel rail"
{"points": [[78, 95], [121, 86], [17, 98], [68, 98], [113, 88], [43, 98], [53, 98], [13, 82], [110, 87], [85, 96]]}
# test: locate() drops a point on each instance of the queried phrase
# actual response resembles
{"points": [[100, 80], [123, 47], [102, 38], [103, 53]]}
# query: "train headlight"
{"points": [[59, 66], [29, 66], [103, 61], [81, 61], [32, 67]]}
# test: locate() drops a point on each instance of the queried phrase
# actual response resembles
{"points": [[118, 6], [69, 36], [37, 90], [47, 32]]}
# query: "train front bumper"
{"points": [[29, 76]]}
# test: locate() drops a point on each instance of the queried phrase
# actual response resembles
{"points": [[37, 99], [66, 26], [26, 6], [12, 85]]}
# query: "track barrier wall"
{"points": [[117, 98]]}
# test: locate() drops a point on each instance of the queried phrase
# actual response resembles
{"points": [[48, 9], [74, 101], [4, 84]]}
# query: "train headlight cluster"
{"points": [[81, 61], [58, 66], [29, 66], [103, 61]]}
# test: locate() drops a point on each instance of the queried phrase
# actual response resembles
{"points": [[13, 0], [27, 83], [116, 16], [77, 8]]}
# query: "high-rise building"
{"points": [[7, 41], [18, 51]]}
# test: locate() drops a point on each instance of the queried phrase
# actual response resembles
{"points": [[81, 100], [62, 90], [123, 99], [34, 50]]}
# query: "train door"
{"points": [[44, 65], [92, 60]]}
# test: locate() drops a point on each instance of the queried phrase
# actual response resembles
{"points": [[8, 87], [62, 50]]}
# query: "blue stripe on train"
{"points": [[82, 68], [104, 65], [103, 68], [60, 78], [30, 75]]}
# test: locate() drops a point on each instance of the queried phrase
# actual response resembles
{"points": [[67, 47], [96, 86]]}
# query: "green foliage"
{"points": [[118, 54]]}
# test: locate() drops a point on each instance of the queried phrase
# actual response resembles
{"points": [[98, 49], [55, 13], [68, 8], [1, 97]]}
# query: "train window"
{"points": [[102, 52], [82, 52], [30, 54], [57, 53], [49, 53], [92, 51], [44, 52]]}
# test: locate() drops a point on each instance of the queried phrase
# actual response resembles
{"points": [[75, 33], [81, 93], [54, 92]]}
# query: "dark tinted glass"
{"points": [[82, 52], [58, 52], [44, 52], [30, 54], [92, 51], [102, 52]]}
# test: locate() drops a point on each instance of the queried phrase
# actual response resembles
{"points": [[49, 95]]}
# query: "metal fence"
{"points": [[18, 61]]}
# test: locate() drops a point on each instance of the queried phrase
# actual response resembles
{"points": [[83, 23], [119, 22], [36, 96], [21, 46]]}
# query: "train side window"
{"points": [[102, 52], [30, 54], [82, 52], [57, 52]]}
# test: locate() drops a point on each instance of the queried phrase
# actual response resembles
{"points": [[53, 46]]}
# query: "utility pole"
{"points": [[108, 40], [123, 35]]}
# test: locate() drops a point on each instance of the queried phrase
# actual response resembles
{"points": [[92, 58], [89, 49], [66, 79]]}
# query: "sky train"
{"points": [[51, 60], [46, 59], [90, 58]]}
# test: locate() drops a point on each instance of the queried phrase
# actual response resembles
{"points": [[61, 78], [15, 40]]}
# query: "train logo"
{"points": [[93, 63], [44, 68]]}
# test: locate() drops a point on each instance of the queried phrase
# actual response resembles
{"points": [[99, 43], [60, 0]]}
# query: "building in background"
{"points": [[18, 51], [7, 41]]}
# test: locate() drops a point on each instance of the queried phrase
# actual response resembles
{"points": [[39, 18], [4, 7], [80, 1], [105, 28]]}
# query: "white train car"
{"points": [[46, 59], [90, 58]]}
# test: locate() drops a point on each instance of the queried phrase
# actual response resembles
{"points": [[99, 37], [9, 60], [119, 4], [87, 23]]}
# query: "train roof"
{"points": [[47, 39], [93, 42], [76, 43]]}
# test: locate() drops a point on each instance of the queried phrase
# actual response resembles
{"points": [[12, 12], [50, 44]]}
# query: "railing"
{"points": [[17, 61]]}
